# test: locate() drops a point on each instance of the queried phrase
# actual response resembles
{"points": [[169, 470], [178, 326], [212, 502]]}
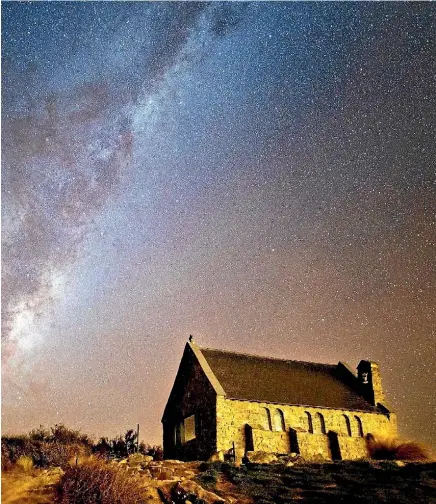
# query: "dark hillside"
{"points": [[329, 483]]}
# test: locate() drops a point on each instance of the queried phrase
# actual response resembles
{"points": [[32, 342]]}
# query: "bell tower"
{"points": [[368, 373]]}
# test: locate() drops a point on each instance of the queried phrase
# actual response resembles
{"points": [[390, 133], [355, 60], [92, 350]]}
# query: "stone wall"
{"points": [[313, 446], [270, 441], [234, 415], [352, 447], [192, 395]]}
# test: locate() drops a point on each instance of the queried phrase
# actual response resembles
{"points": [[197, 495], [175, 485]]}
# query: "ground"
{"points": [[304, 483]]}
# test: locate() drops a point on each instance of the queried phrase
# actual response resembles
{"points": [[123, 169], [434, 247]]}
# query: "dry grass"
{"points": [[30, 487], [99, 482], [24, 464], [391, 448]]}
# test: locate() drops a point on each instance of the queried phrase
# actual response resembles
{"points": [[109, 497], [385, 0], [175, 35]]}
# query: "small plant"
{"points": [[25, 464], [391, 448], [99, 482]]}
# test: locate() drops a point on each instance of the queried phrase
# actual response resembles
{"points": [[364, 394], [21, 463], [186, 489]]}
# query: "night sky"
{"points": [[259, 175]]}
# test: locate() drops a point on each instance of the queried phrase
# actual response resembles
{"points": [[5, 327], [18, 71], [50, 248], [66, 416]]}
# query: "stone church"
{"points": [[227, 401]]}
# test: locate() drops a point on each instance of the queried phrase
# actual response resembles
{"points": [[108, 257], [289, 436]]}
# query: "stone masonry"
{"points": [[217, 405], [233, 416]]}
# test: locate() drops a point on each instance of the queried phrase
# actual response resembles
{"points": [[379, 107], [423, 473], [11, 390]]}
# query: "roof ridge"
{"points": [[244, 354]]}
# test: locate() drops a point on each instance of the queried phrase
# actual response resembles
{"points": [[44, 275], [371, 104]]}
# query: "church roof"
{"points": [[265, 379]]}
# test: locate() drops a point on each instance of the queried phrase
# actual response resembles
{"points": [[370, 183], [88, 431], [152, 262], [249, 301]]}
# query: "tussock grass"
{"points": [[24, 464], [391, 448], [99, 482]]}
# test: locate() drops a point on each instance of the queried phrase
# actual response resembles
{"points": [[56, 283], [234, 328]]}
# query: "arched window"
{"points": [[268, 424], [309, 422], [347, 425], [279, 420], [359, 426], [321, 423]]}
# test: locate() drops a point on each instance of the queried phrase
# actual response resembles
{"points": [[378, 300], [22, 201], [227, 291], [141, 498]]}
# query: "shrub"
{"points": [[60, 434], [123, 446], [99, 482], [44, 450], [391, 448], [154, 451], [13, 448], [57, 454]]}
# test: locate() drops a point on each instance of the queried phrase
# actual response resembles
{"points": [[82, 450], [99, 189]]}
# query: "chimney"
{"points": [[368, 373]]}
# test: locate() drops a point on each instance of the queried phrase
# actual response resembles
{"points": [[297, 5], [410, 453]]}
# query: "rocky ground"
{"points": [[285, 481]]}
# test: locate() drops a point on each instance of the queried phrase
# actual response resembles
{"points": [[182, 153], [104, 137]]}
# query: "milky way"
{"points": [[259, 175]]}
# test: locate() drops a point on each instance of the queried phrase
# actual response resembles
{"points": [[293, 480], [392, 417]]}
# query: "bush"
{"points": [[46, 448], [57, 454], [60, 434], [13, 448], [123, 446], [391, 448], [99, 482]]}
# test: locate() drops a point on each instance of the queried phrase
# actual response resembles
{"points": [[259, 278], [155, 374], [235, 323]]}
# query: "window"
{"points": [[179, 434], [309, 422], [321, 423], [347, 425], [279, 420], [267, 419], [189, 428], [359, 426]]}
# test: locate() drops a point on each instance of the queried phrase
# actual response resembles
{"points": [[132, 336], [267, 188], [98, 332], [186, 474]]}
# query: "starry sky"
{"points": [[259, 175]]}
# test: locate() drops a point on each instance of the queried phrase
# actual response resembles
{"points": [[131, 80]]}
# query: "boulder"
{"points": [[139, 459], [165, 474], [188, 474], [261, 457], [187, 491], [191, 487]]}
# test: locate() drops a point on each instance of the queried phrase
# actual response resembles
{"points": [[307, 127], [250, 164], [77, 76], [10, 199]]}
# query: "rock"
{"points": [[165, 474], [194, 488], [289, 464], [173, 493], [188, 474], [294, 455], [173, 461], [138, 460], [400, 463], [260, 457], [155, 471], [217, 457]]}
